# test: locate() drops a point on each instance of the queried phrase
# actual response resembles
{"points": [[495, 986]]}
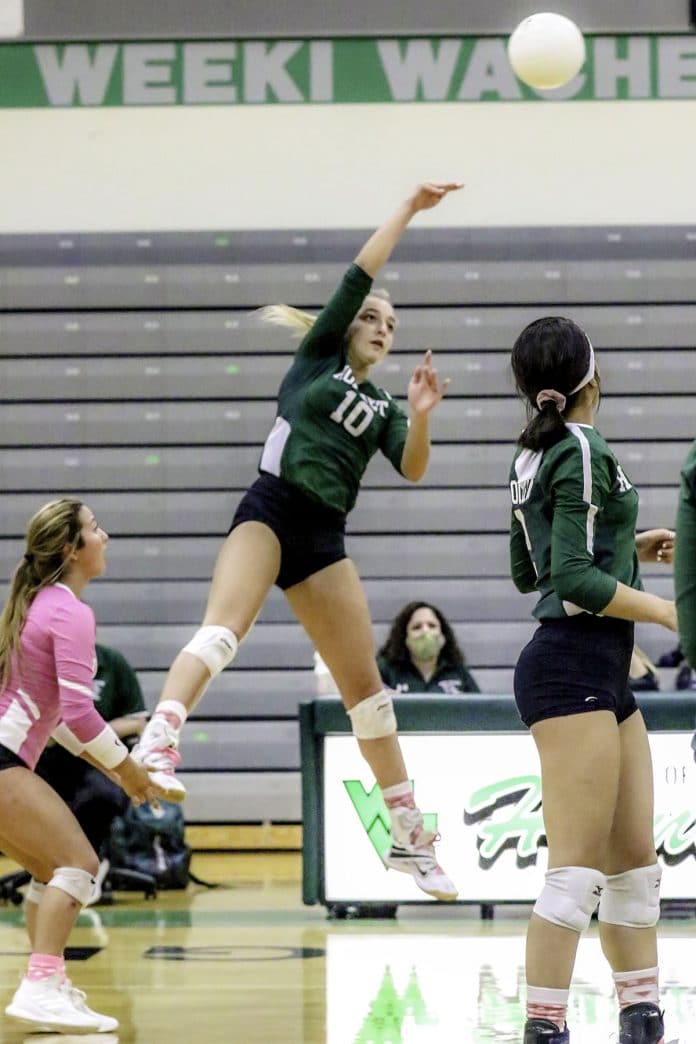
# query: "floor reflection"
{"points": [[408, 989]]}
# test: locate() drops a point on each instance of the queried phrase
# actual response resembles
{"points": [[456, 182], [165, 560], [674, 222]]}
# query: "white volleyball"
{"points": [[546, 50]]}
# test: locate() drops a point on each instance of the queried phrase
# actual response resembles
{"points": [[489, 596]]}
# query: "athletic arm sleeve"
{"points": [[72, 630], [522, 568], [579, 487], [326, 336], [393, 438], [685, 559]]}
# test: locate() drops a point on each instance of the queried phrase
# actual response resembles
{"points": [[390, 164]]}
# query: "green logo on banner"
{"points": [[511, 817], [374, 814]]}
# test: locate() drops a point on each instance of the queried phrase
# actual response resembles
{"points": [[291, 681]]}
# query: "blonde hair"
{"points": [[298, 321], [54, 526]]}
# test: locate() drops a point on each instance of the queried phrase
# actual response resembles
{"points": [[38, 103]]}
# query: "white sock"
{"points": [[636, 987], [173, 712]]}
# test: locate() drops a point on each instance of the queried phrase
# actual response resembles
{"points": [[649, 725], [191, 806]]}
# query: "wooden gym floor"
{"points": [[246, 963]]}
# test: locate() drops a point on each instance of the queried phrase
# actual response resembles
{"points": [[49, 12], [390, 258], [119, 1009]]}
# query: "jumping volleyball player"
{"points": [[573, 540], [289, 530], [47, 662]]}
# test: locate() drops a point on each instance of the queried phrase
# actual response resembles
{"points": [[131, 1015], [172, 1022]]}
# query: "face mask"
{"points": [[425, 646]]}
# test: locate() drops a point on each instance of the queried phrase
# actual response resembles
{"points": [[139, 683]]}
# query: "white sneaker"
{"points": [[105, 1023], [156, 750], [424, 868], [413, 852], [49, 1005]]}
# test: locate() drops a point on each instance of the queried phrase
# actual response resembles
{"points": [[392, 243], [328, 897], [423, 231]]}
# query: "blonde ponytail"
{"points": [[285, 315], [54, 526], [298, 321]]}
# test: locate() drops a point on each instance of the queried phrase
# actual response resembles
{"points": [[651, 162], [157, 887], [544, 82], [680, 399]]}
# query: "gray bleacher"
{"points": [[134, 372]]}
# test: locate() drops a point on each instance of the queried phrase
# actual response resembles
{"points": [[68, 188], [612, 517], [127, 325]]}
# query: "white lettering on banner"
{"points": [[489, 72], [208, 73], [676, 67], [76, 76], [634, 69], [321, 80], [419, 67], [264, 71], [229, 72], [147, 74]]}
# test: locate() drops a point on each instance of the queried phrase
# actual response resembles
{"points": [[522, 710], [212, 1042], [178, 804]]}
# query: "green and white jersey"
{"points": [[572, 533], [328, 426], [685, 558]]}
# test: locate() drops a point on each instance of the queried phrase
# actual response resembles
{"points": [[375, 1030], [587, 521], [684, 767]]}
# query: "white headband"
{"points": [[590, 371]]}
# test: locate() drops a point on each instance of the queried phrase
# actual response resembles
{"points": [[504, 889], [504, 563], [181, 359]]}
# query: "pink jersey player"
{"points": [[47, 662], [51, 677]]}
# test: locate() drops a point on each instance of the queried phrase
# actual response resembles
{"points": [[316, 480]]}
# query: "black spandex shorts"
{"points": [[311, 536], [575, 665], [8, 759]]}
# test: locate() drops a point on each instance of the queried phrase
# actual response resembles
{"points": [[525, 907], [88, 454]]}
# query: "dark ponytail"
{"points": [[550, 355]]}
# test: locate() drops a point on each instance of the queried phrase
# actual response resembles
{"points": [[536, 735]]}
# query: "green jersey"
{"points": [[572, 532], [328, 426], [685, 559], [117, 692]]}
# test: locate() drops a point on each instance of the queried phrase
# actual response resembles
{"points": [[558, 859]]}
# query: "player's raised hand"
{"points": [[430, 193], [425, 390]]}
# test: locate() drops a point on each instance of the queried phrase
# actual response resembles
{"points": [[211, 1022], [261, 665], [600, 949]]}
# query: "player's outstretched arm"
{"points": [[379, 246], [425, 392]]}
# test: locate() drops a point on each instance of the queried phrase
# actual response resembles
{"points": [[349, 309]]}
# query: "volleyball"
{"points": [[546, 50]]}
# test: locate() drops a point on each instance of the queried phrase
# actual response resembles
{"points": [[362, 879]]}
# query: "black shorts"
{"points": [[8, 759], [575, 665], [311, 536]]}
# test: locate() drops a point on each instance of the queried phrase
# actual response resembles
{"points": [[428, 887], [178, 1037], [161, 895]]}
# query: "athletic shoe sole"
{"points": [[171, 789], [49, 1025]]}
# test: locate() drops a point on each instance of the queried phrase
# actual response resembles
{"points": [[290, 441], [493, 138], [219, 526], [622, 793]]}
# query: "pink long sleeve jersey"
{"points": [[52, 679]]}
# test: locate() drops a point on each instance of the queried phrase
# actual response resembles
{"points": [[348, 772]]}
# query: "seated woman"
{"points": [[421, 654]]}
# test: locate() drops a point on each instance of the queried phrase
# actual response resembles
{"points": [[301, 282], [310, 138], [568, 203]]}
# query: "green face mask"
{"points": [[425, 646]]}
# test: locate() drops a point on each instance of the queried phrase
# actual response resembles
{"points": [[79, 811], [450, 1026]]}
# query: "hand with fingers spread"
{"points": [[135, 780], [425, 390]]}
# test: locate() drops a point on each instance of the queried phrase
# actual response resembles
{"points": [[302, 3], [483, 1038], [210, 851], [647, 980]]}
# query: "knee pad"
{"points": [[77, 883], [374, 717], [216, 647], [570, 896], [632, 899], [34, 892]]}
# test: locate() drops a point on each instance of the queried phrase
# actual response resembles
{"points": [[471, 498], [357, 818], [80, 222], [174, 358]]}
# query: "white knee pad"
{"points": [[374, 717], [216, 647], [570, 896], [34, 892], [632, 898], [77, 883]]}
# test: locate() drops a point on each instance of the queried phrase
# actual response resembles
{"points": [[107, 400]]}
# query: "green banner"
{"points": [[305, 72]]}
